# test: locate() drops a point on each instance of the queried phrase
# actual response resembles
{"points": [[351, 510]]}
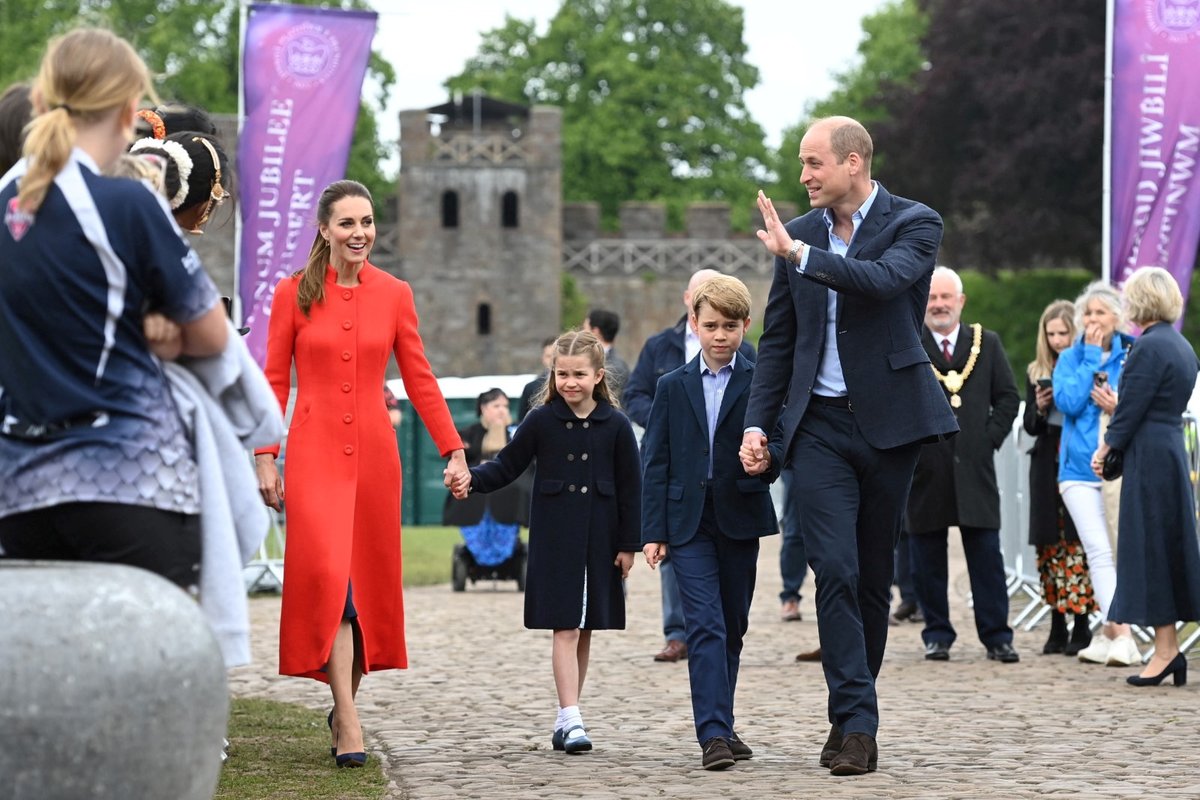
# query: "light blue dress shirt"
{"points": [[714, 384]]}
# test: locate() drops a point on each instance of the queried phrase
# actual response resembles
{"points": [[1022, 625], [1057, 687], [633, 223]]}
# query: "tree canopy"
{"points": [[190, 46], [1003, 132], [653, 99]]}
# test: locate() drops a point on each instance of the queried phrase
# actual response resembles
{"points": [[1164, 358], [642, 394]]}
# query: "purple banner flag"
{"points": [[302, 76], [1155, 137]]}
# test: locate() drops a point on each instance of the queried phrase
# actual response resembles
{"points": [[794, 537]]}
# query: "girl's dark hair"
{"points": [[312, 281], [578, 343], [487, 397], [15, 112], [201, 179]]}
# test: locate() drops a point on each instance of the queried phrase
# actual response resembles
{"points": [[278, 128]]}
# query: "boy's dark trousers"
{"points": [[716, 577]]}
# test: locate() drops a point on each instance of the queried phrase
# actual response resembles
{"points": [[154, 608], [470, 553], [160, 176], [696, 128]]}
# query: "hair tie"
{"points": [[183, 164], [63, 106], [157, 127]]}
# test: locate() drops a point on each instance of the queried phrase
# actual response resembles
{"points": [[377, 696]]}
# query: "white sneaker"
{"points": [[1097, 651], [1123, 652]]}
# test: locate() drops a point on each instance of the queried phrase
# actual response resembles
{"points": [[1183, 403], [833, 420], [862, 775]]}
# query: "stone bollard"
{"points": [[111, 686]]}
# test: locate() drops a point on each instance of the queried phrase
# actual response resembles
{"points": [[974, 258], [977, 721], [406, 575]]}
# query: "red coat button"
{"points": [[347, 325], [348, 419], [346, 295], [345, 355], [345, 387], [348, 450]]}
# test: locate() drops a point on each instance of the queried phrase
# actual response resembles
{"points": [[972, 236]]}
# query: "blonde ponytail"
{"points": [[47, 146]]}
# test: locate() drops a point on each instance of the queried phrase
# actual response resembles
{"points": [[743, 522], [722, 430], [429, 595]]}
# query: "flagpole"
{"points": [[241, 121], [1106, 159]]}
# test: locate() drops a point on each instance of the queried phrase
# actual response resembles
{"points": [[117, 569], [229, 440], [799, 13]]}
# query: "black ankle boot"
{"points": [[1081, 635], [1057, 643]]}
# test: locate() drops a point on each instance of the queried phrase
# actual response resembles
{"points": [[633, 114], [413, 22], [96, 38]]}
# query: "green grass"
{"points": [[427, 553], [280, 751]]}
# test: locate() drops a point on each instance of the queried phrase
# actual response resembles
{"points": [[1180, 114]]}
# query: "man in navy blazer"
{"points": [[667, 350], [700, 505], [841, 346]]}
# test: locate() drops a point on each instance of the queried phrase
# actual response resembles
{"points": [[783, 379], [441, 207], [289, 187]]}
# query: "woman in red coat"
{"points": [[339, 320]]}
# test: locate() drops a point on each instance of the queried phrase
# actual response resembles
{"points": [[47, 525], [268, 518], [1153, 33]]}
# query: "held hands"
{"points": [[163, 336], [625, 562], [270, 483], [753, 453], [456, 476], [774, 237], [654, 553]]}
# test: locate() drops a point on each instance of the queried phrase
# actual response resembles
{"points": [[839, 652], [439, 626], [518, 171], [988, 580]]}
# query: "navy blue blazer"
{"points": [[883, 289], [675, 461], [662, 352]]}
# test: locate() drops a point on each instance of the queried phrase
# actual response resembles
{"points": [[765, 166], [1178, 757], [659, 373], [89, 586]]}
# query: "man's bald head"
{"points": [[698, 277]]}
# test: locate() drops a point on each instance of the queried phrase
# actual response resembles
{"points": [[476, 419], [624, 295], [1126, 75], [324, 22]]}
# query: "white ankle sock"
{"points": [[571, 718], [558, 721]]}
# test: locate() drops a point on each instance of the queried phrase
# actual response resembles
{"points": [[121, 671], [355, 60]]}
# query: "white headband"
{"points": [[183, 164]]}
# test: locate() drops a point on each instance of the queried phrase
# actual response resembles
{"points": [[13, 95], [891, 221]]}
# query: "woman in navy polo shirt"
{"points": [[94, 463]]}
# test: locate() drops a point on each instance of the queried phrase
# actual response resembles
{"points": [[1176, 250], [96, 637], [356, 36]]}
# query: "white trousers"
{"points": [[1085, 504]]}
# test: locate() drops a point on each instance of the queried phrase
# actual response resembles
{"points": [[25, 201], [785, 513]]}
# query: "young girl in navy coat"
{"points": [[584, 520]]}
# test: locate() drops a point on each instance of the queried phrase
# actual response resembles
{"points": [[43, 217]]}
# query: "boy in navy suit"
{"points": [[699, 503]]}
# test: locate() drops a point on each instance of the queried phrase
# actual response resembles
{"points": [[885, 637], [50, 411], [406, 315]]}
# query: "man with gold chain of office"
{"points": [[955, 479]]}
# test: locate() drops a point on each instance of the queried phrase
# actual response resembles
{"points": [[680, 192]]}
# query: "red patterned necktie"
{"points": [[946, 351]]}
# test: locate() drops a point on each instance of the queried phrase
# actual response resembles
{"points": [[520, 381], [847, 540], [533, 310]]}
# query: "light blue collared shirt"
{"points": [[714, 385], [830, 380]]}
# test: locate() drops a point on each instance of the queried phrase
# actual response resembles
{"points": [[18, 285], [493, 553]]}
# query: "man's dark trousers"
{"points": [[851, 515], [985, 565]]}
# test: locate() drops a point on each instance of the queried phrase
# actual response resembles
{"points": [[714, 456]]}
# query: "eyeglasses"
{"points": [[216, 192]]}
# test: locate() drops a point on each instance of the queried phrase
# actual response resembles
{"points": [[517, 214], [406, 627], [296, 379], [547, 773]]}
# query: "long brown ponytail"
{"points": [[85, 75], [312, 281]]}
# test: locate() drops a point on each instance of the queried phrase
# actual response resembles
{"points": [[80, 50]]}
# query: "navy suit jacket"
{"points": [[883, 289], [662, 352], [675, 461]]}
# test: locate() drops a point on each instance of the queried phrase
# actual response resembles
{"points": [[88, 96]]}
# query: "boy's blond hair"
{"points": [[728, 296]]}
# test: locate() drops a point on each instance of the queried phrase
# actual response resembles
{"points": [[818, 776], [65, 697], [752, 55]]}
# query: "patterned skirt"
{"points": [[1066, 584]]}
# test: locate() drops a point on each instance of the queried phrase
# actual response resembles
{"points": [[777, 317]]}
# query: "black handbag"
{"points": [[1114, 464]]}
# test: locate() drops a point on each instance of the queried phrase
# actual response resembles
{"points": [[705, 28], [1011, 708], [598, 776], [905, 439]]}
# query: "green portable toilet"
{"points": [[421, 463]]}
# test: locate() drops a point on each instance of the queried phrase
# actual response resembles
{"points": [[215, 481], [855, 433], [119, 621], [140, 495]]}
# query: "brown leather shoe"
{"points": [[859, 756], [810, 655], [832, 746], [674, 651]]}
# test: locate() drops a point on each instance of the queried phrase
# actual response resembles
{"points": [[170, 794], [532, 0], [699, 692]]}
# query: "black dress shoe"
{"points": [[859, 756], [717, 754], [938, 651], [905, 610], [1002, 652], [832, 746], [741, 751]]}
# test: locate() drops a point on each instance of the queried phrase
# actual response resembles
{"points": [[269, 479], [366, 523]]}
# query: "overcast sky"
{"points": [[796, 45]]}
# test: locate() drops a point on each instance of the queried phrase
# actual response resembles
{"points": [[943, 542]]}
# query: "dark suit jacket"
{"points": [[675, 462], [883, 288], [955, 480], [617, 371], [662, 352]]}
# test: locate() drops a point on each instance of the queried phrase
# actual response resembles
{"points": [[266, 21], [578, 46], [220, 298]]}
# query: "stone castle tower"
{"points": [[480, 231]]}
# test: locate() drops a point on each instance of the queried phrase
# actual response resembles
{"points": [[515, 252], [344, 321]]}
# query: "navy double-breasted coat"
{"points": [[586, 507]]}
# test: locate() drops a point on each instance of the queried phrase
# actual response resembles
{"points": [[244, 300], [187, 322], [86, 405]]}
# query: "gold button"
{"points": [[348, 419], [348, 450], [346, 325], [345, 387], [345, 355]]}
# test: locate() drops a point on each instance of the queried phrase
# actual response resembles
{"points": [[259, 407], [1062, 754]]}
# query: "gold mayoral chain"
{"points": [[953, 380]]}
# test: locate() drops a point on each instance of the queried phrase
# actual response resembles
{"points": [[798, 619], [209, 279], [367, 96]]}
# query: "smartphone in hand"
{"points": [[1045, 383]]}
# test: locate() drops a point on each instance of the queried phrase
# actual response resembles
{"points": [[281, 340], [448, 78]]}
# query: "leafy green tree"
{"points": [[652, 96], [889, 54], [191, 47]]}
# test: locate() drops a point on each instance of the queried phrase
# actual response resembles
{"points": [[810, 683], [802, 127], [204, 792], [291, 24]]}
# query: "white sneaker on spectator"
{"points": [[1097, 651], [1123, 652]]}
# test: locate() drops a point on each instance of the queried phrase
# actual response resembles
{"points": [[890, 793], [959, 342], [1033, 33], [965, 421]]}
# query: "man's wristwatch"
{"points": [[795, 249]]}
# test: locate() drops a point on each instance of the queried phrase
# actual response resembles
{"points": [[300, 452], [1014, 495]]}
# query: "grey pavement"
{"points": [[473, 713]]}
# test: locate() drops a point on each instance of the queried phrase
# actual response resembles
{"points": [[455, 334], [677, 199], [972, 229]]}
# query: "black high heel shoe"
{"points": [[346, 759], [329, 721], [1177, 668]]}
